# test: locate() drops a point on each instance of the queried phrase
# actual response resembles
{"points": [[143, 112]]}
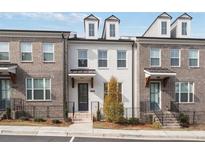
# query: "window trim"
{"points": [[188, 102], [114, 29], [102, 59], [78, 58], [159, 58], [27, 61], [44, 89], [50, 61], [182, 29], [175, 57], [93, 29], [198, 58], [8, 51], [123, 59], [162, 28]]}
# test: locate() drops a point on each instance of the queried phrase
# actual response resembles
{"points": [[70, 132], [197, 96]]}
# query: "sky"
{"points": [[132, 24]]}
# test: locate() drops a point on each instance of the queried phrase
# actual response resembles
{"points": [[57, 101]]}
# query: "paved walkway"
{"points": [[86, 130]]}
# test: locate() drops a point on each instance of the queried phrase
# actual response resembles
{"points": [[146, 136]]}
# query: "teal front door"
{"points": [[155, 96], [4, 94]]}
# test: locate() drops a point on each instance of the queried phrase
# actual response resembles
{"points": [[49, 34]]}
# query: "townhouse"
{"points": [[31, 71], [53, 73], [171, 67], [93, 60]]}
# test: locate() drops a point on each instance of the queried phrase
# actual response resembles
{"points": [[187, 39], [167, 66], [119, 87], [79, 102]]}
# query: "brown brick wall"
{"points": [[184, 73], [38, 68]]}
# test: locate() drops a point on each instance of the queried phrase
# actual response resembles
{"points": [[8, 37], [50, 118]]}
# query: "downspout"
{"points": [[133, 81], [65, 110]]}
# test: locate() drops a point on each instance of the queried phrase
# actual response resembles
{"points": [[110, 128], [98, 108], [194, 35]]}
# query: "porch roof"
{"points": [[82, 72], [8, 68], [158, 71]]}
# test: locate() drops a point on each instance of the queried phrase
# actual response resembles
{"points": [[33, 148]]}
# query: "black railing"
{"points": [[174, 106], [71, 108]]}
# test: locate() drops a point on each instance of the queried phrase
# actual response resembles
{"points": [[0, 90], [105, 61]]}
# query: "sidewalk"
{"points": [[86, 130]]}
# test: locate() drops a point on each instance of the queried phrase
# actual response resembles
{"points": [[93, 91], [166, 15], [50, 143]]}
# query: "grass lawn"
{"points": [[108, 125], [32, 123]]}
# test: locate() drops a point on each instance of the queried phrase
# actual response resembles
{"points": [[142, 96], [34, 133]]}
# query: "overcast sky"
{"points": [[132, 24]]}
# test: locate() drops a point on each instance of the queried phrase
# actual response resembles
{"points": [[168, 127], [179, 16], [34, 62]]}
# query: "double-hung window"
{"points": [[112, 30], [163, 27], [38, 89], [26, 51], [184, 28], [82, 58], [193, 58], [4, 51], [91, 30], [102, 58], [175, 57], [184, 92], [121, 59], [48, 52], [155, 57]]}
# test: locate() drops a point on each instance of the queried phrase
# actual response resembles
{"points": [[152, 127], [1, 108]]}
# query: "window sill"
{"points": [[122, 68], [49, 61], [103, 68], [175, 66], [31, 101], [186, 102], [194, 67], [26, 61]]}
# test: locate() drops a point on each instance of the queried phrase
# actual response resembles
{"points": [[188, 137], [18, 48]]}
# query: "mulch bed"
{"points": [[32, 123]]}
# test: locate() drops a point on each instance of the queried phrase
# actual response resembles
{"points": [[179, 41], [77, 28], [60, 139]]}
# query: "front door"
{"points": [[83, 96], [4, 94], [155, 96]]}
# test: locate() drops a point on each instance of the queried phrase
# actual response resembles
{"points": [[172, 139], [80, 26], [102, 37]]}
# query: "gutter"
{"points": [[133, 81]]}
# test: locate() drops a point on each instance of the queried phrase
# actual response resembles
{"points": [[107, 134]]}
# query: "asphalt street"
{"points": [[12, 138]]}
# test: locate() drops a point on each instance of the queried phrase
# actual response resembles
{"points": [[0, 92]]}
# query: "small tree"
{"points": [[112, 107]]}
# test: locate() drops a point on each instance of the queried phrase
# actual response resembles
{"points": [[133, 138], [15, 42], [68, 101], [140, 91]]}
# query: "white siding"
{"points": [[102, 75]]}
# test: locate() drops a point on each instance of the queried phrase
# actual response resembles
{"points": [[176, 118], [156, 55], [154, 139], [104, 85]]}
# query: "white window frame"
{"points": [[126, 59], [192, 58], [89, 29], [182, 28], [175, 57], [53, 52], [114, 29], [162, 28], [44, 89], [103, 59], [27, 52], [82, 58], [188, 91], [159, 58], [8, 52]]}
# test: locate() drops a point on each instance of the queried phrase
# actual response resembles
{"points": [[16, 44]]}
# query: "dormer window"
{"points": [[91, 30], [184, 28], [112, 30], [163, 27]]}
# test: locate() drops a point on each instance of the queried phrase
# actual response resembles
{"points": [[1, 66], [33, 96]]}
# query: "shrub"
{"points": [[39, 120], [56, 121], [8, 113], [122, 121], [94, 119], [112, 107], [133, 121], [24, 118], [157, 125], [22, 115], [184, 120]]}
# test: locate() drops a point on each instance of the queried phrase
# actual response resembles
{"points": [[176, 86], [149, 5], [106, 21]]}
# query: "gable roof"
{"points": [[113, 17], [162, 15], [110, 18], [183, 16], [91, 17]]}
